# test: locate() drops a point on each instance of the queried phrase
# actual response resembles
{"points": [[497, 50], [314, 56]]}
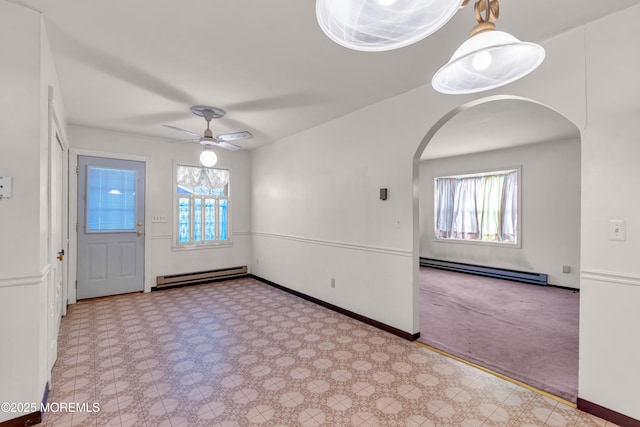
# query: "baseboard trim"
{"points": [[23, 421], [28, 419], [607, 414], [184, 285], [387, 328], [481, 270]]}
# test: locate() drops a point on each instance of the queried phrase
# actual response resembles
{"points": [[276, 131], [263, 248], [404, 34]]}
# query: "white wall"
{"points": [[610, 288], [317, 215], [160, 257], [26, 73], [549, 215], [315, 200]]}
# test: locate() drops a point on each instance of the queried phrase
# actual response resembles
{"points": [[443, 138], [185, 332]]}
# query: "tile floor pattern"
{"points": [[242, 353]]}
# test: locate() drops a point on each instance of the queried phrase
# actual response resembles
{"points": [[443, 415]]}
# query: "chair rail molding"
{"points": [[26, 280], [611, 277], [358, 247]]}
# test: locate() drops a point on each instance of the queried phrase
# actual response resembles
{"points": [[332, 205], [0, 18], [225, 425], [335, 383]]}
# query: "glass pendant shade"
{"points": [[486, 61], [379, 25], [208, 158]]}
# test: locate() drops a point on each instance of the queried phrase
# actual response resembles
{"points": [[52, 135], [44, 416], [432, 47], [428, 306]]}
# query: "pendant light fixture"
{"points": [[379, 25], [489, 58]]}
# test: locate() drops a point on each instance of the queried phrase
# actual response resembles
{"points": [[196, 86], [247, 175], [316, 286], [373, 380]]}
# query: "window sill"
{"points": [[221, 245], [517, 245]]}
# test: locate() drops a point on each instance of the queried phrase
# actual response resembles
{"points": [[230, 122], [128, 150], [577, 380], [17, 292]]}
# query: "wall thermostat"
{"points": [[5, 187]]}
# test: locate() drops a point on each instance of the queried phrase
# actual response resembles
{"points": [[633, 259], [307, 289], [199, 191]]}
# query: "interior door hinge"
{"points": [[76, 284], [77, 170], [76, 227]]}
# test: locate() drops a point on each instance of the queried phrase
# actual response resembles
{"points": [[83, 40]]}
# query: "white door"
{"points": [[110, 226], [56, 295]]}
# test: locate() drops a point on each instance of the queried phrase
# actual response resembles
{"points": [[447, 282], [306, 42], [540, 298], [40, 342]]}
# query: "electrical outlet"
{"points": [[333, 282], [159, 218], [566, 269]]}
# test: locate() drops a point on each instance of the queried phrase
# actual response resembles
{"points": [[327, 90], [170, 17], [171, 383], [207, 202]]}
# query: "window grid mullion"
{"points": [[216, 209], [203, 223], [192, 217]]}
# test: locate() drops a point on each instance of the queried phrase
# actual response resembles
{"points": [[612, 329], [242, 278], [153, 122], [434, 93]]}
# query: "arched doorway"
{"points": [[483, 136]]}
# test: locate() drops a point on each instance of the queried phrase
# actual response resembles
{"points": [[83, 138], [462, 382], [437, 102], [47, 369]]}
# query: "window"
{"points": [[480, 207], [202, 203], [111, 204]]}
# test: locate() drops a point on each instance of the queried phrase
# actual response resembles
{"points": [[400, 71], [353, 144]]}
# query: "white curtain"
{"points": [[199, 180], [465, 208], [510, 208], [445, 191], [478, 207]]}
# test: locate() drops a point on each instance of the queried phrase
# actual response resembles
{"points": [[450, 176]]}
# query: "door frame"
{"points": [[55, 127], [73, 214], [56, 136]]}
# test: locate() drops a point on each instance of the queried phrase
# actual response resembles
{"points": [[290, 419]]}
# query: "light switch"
{"points": [[617, 230], [158, 218], [5, 186]]}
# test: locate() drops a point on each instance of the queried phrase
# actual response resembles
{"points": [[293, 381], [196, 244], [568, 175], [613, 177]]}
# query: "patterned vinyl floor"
{"points": [[241, 353]]}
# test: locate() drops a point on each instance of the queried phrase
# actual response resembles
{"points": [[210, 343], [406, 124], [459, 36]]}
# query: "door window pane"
{"points": [[110, 199]]}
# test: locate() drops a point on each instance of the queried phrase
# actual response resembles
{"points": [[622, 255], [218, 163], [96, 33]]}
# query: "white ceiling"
{"points": [[133, 65]]}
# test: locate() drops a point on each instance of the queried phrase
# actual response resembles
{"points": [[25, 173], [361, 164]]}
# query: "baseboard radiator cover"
{"points": [[500, 273], [196, 277]]}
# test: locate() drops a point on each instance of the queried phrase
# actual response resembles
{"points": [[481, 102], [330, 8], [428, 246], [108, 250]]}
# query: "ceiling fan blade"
{"points": [[182, 130], [186, 140], [227, 145], [234, 136]]}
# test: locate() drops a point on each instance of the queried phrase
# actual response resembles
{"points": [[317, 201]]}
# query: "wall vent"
{"points": [[193, 278], [500, 273]]}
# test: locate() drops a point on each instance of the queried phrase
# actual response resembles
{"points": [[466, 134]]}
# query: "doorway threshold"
{"points": [[499, 375]]}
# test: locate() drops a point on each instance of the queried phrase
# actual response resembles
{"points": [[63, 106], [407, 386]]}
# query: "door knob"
{"points": [[139, 233], [60, 255]]}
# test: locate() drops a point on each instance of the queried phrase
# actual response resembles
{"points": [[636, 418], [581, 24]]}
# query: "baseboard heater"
{"points": [[200, 277], [500, 273]]}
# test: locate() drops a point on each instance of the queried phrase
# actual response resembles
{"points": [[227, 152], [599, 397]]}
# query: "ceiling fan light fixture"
{"points": [[379, 25], [208, 158]]}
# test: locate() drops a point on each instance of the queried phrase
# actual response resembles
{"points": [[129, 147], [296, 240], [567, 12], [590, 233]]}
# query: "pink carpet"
{"points": [[524, 331]]}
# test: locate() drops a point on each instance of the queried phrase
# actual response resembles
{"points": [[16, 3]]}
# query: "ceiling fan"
{"points": [[207, 139]]}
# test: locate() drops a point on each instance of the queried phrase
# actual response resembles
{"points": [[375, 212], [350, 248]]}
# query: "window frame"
{"points": [[212, 244], [485, 171]]}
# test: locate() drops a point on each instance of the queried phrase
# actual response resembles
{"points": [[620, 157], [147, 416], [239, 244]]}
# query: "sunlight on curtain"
{"points": [[510, 208], [465, 208], [480, 207]]}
